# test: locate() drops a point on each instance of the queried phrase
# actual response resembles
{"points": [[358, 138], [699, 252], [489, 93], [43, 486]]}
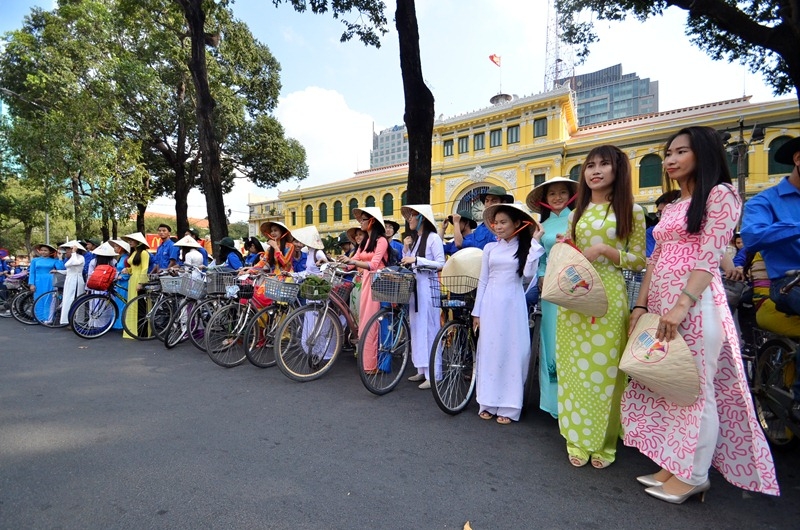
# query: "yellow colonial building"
{"points": [[522, 142]]}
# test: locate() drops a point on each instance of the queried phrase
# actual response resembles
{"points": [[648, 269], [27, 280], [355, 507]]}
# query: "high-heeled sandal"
{"points": [[659, 493], [598, 462]]}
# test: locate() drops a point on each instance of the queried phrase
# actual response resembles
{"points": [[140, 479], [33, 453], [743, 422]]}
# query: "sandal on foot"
{"points": [[577, 461], [502, 420], [485, 415], [598, 462], [577, 456]]}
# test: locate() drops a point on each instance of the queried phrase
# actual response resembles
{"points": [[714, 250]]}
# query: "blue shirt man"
{"points": [[772, 226], [166, 254], [494, 195], [88, 256], [463, 224]]}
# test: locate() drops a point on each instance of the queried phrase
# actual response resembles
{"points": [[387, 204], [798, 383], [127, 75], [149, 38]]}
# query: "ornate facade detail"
{"points": [[451, 185], [509, 175], [478, 174]]}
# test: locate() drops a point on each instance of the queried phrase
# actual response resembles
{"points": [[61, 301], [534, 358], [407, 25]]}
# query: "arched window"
{"points": [[650, 169], [575, 173], [352, 206], [323, 213], [388, 204], [337, 211], [404, 198], [309, 215], [370, 202], [776, 168]]}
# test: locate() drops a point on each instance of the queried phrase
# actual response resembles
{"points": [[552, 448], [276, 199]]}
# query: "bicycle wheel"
{"points": [[161, 315], [178, 326], [383, 349], [308, 342], [22, 308], [47, 309], [92, 315], [772, 397], [198, 320], [136, 316], [258, 336], [225, 335], [452, 366]]}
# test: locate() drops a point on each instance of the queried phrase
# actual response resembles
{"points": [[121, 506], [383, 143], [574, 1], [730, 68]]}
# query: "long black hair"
{"points": [[711, 169], [427, 228], [136, 255], [376, 231], [524, 236]]}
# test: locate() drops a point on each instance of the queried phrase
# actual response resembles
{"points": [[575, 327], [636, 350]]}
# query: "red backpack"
{"points": [[102, 278]]}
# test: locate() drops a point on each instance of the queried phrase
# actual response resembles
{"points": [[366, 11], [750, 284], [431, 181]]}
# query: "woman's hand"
{"points": [[476, 323], [595, 251], [537, 234], [343, 259], [668, 323], [735, 274], [408, 260], [32, 288], [273, 244], [635, 314]]}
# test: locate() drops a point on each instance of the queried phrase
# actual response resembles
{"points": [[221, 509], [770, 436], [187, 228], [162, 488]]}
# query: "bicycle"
{"points": [[452, 357], [310, 338], [92, 315], [47, 307], [770, 367], [386, 337], [141, 326], [225, 334], [16, 285], [179, 327]]}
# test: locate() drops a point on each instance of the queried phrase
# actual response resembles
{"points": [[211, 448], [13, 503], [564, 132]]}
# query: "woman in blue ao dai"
{"points": [[40, 280]]}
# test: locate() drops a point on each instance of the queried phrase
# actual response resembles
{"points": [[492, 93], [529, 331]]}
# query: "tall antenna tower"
{"points": [[559, 60]]}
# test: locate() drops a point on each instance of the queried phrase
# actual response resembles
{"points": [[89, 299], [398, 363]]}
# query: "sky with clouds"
{"points": [[335, 94]]}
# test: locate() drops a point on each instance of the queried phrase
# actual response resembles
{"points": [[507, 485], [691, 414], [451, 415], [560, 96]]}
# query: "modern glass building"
{"points": [[608, 94], [389, 147]]}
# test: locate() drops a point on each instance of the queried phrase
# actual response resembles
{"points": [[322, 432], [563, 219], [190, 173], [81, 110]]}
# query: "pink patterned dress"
{"points": [[668, 433]]}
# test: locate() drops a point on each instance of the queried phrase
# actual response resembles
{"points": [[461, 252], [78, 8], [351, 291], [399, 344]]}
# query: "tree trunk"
{"points": [[183, 178], [419, 109], [80, 225], [209, 145], [114, 228], [28, 236], [141, 208]]}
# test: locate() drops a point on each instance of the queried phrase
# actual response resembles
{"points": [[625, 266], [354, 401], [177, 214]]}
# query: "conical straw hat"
{"points": [[138, 237], [465, 262], [309, 236], [187, 241], [571, 281], [536, 197], [666, 368], [423, 209], [372, 211]]}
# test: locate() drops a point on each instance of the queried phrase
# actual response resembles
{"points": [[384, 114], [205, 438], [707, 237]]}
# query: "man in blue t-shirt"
{"points": [[463, 226], [772, 226], [392, 229], [88, 256], [166, 254]]}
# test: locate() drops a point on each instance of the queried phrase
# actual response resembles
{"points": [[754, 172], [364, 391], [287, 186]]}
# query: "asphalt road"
{"points": [[113, 433]]}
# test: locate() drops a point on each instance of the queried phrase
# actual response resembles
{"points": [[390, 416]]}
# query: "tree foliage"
{"points": [[763, 35]]}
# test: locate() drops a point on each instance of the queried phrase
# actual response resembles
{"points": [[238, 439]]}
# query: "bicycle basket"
{"points": [[450, 292], [192, 288], [315, 290], [633, 281], [170, 284], [280, 291], [243, 289], [217, 282], [58, 280], [392, 287], [343, 290], [12, 284]]}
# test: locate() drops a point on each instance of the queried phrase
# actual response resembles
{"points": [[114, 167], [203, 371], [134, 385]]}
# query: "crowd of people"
{"points": [[681, 249]]}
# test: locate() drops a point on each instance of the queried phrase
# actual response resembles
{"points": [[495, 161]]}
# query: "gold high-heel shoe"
{"points": [[649, 480], [658, 493]]}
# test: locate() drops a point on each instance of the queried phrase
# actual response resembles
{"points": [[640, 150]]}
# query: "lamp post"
{"points": [[742, 166]]}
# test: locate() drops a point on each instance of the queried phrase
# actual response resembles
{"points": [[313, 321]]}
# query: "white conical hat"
{"points": [[73, 243], [105, 250], [424, 209], [536, 197], [123, 244], [371, 211], [138, 237], [187, 241], [309, 236]]}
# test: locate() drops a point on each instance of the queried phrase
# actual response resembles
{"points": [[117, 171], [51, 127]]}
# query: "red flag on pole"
{"points": [[495, 59]]}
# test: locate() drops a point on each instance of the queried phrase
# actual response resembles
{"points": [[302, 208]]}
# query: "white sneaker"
{"points": [[417, 378], [426, 385]]}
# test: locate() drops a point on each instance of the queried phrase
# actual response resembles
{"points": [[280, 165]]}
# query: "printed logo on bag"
{"points": [[575, 280], [646, 348]]}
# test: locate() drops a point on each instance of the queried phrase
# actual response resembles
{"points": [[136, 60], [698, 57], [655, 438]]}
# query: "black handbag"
{"points": [[733, 291]]}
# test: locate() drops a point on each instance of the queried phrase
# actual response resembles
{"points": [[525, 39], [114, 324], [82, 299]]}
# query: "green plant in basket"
{"points": [[315, 288]]}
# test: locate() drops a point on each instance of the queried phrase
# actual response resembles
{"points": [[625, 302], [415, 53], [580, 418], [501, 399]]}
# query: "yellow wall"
{"points": [[564, 146]]}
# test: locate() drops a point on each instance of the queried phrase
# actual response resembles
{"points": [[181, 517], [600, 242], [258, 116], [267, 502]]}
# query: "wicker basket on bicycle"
{"points": [[13, 283], [193, 288], [170, 284], [393, 287], [217, 282], [58, 280], [454, 292], [153, 283], [280, 291]]}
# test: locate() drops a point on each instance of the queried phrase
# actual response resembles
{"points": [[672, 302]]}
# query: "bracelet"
{"points": [[692, 297], [639, 307]]}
